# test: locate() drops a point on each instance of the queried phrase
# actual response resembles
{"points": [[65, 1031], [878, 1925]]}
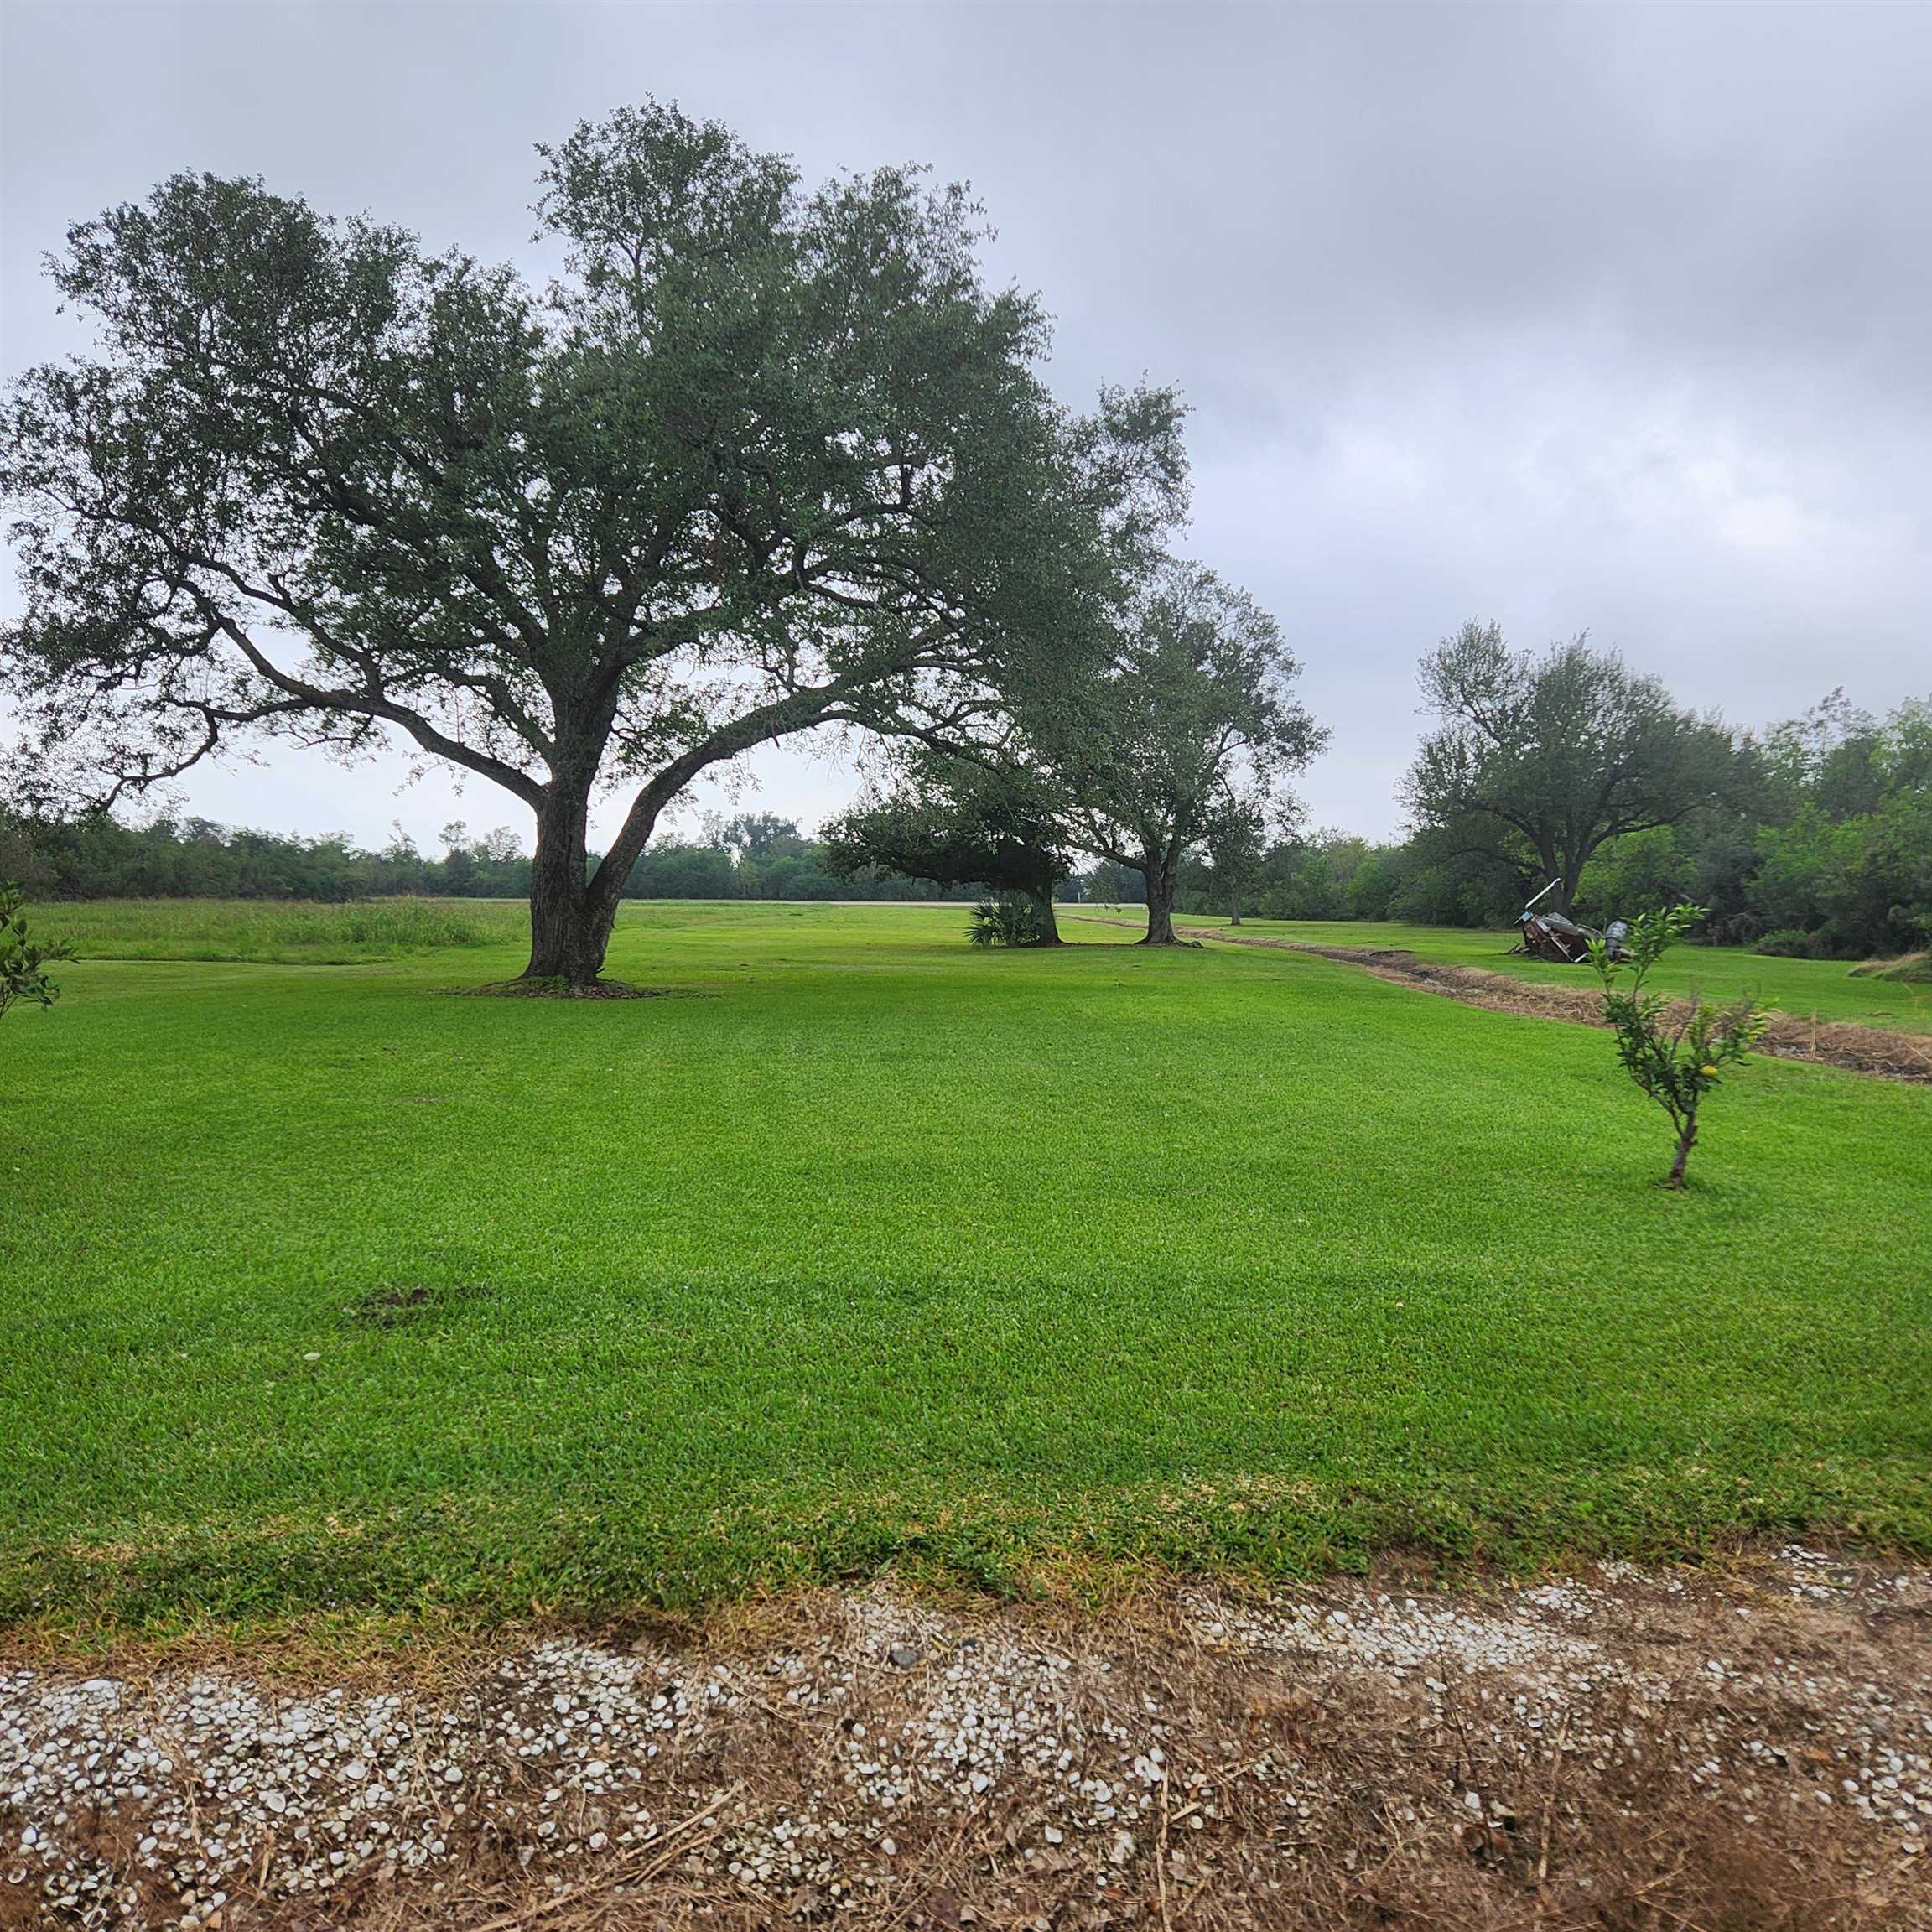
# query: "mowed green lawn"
{"points": [[1821, 989], [320, 1287]]}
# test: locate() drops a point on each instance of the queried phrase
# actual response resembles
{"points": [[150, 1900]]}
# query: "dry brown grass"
{"points": [[1300, 1789]]}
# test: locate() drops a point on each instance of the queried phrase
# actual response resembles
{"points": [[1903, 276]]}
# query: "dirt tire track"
{"points": [[1845, 1044]]}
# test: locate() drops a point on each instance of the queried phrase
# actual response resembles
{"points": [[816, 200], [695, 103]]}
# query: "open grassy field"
{"points": [[273, 931], [1811, 988], [321, 1287]]}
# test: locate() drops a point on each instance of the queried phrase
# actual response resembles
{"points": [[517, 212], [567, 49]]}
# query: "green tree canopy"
{"points": [[759, 458], [1539, 760], [1190, 720], [1235, 841], [957, 822]]}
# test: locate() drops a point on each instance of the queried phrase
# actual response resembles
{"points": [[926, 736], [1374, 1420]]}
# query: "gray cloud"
{"points": [[1610, 317]]}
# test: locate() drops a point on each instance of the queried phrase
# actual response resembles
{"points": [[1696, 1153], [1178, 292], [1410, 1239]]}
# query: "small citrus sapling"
{"points": [[21, 961], [1675, 1056]]}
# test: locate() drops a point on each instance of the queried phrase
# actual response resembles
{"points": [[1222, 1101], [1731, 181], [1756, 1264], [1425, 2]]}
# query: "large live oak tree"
{"points": [[1538, 761], [757, 460], [1190, 722]]}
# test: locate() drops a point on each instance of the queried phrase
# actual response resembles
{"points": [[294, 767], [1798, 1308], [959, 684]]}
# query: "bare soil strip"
{"points": [[1857, 1048], [1738, 1749]]}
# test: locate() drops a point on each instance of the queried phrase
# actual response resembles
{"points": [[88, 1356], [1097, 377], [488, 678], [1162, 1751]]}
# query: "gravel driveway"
{"points": [[1697, 1748]]}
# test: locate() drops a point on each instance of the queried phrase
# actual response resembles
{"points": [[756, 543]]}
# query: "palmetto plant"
{"points": [[1010, 919]]}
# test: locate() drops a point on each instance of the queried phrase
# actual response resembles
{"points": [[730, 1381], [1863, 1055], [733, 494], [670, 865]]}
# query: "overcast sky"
{"points": [[1615, 317]]}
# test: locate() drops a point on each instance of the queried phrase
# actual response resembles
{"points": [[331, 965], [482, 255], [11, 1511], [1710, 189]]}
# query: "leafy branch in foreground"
{"points": [[22, 961], [1676, 1060]]}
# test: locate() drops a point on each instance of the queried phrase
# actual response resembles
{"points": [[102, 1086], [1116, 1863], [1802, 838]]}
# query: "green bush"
{"points": [[1010, 919], [1788, 942]]}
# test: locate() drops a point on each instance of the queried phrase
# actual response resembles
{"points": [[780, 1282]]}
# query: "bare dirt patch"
{"points": [[1751, 1748], [401, 1305], [557, 989], [1859, 1049]]}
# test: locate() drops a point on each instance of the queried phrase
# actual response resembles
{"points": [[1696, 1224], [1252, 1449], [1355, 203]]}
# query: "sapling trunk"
{"points": [[1686, 1140]]}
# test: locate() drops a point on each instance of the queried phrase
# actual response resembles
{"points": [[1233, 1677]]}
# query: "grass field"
{"points": [[276, 933], [270, 931], [320, 1288], [1811, 988]]}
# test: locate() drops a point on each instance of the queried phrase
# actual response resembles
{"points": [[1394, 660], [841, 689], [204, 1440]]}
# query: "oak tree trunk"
{"points": [[1049, 925], [1233, 908], [1572, 884], [1158, 870], [1553, 875], [570, 916]]}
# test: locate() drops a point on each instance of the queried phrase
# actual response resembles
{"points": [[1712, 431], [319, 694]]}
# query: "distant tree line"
{"points": [[1820, 845], [1815, 840], [761, 855], [1810, 838], [96, 856]]}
